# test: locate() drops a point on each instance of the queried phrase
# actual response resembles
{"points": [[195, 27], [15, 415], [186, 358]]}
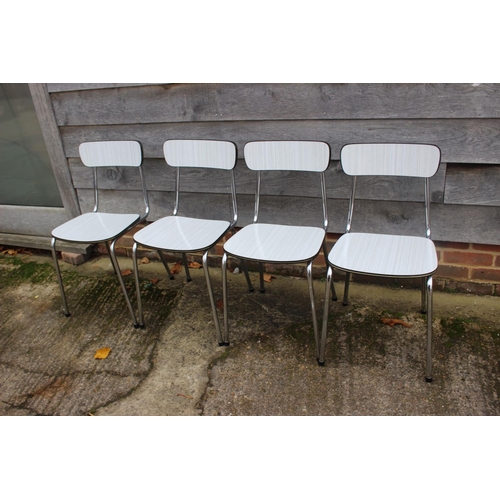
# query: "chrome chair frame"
{"points": [[139, 239], [427, 281], [309, 260], [105, 159]]}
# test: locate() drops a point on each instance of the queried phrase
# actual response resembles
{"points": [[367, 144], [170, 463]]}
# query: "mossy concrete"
{"points": [[174, 366]]}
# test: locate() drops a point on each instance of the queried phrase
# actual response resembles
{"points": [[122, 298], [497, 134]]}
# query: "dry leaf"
{"points": [[268, 278], [220, 304], [10, 252], [144, 260], [154, 280], [176, 268], [102, 353], [126, 272], [393, 321], [194, 265], [184, 396]]}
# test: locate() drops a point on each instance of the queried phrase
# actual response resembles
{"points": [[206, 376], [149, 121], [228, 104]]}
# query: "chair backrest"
{"points": [[298, 156], [405, 160], [182, 153], [113, 154], [408, 160]]}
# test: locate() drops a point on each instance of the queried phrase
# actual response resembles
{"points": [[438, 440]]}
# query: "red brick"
{"points": [[73, 258], [468, 258], [456, 272], [497, 261], [490, 275], [454, 245], [486, 248]]}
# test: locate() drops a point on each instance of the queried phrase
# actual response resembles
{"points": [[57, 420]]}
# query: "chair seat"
{"points": [[385, 255], [276, 243], [94, 227], [181, 234]]}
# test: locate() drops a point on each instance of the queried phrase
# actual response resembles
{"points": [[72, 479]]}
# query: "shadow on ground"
{"points": [[175, 367]]}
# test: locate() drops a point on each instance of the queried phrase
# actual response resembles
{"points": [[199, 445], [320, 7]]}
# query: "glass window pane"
{"points": [[26, 175]]}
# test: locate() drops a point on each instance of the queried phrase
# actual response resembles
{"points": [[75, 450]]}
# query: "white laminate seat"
{"points": [[103, 227], [282, 241], [276, 243], [184, 234], [399, 256]]}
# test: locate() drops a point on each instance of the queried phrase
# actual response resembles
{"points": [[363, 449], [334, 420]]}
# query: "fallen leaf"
{"points": [[194, 265], [144, 260], [126, 272], [10, 251], [220, 304], [268, 278], [102, 353], [176, 268], [155, 280], [393, 321], [184, 396]]}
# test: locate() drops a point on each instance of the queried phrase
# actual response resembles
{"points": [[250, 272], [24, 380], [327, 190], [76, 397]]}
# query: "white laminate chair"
{"points": [[181, 234], [280, 243], [102, 227], [384, 254]]}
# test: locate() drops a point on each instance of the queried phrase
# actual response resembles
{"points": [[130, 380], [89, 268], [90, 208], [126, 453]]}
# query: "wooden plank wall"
{"points": [[462, 119]]}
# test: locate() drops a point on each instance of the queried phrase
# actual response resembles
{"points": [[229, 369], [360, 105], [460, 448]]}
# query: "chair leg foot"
{"points": [[320, 363], [136, 326], [345, 303], [67, 315], [428, 379], [142, 327], [223, 344]]}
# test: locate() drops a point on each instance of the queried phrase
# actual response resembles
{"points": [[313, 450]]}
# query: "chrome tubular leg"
{"points": [[325, 252], [346, 289], [224, 298], [137, 285], [313, 306], [321, 358], [186, 266], [245, 270], [211, 295], [109, 253], [122, 284], [165, 264], [261, 277], [424, 296], [59, 279], [428, 371]]}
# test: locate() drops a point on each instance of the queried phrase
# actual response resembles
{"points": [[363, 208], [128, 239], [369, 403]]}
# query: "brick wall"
{"points": [[463, 267]]}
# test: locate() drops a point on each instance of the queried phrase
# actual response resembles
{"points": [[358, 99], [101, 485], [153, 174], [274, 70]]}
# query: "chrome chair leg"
{"points": [[59, 279], [120, 279], [224, 298], [428, 372], [211, 295], [165, 264], [313, 305], [137, 285], [346, 289], [261, 277], [321, 357], [424, 296], [186, 266], [325, 252], [247, 276]]}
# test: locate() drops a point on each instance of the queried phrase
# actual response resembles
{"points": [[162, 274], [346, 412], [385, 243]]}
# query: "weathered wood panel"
{"points": [[70, 87], [50, 132], [234, 102], [460, 141], [473, 185], [160, 177], [456, 223]]}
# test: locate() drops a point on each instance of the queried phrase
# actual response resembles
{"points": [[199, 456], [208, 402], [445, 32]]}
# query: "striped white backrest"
{"points": [[111, 154], [197, 153], [412, 160], [304, 156]]}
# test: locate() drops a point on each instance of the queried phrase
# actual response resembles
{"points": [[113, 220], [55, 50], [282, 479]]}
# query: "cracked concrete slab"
{"points": [[174, 366]]}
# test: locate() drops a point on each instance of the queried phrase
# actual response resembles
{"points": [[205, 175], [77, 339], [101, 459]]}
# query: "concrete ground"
{"points": [[175, 367]]}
